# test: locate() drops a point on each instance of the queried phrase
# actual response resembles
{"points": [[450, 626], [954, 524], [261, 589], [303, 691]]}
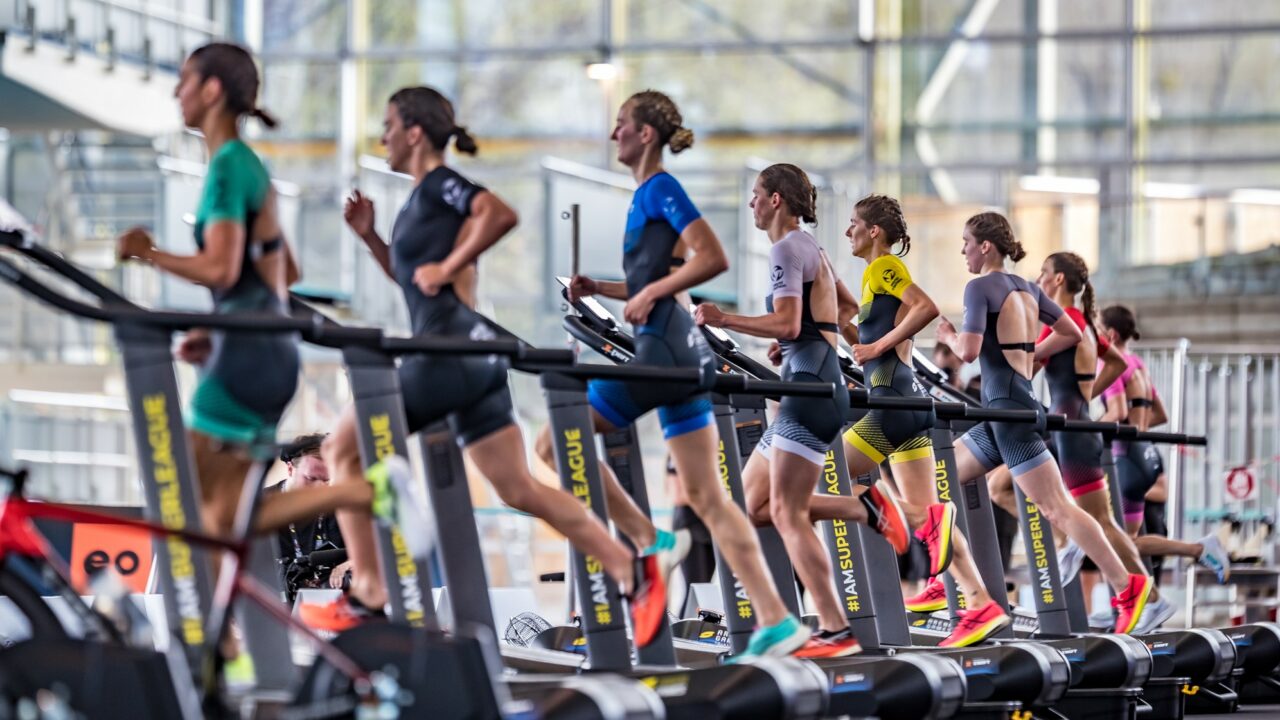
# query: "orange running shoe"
{"points": [[935, 533], [976, 625], [1131, 602], [830, 644], [885, 516], [648, 601], [932, 599], [342, 614]]}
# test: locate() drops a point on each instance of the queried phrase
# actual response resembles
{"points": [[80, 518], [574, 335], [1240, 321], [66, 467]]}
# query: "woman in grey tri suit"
{"points": [[1002, 312]]}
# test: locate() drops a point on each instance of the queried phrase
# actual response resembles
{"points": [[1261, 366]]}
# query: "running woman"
{"points": [[893, 309], [804, 316], [1132, 398], [444, 226], [999, 329], [661, 223], [246, 379]]}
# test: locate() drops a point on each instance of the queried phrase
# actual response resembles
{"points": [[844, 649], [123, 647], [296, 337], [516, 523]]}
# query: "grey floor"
{"points": [[1253, 712]]}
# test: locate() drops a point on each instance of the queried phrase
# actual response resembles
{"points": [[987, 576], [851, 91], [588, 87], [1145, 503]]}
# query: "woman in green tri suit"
{"points": [[246, 379]]}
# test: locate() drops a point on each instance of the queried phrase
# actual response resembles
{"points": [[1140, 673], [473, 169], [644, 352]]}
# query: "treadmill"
{"points": [[447, 676], [902, 686], [1001, 680], [1176, 664]]}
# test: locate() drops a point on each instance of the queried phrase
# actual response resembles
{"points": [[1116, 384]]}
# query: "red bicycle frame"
{"points": [[19, 536]]}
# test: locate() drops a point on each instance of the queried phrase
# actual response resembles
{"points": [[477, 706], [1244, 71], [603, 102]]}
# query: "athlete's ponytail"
{"points": [[430, 110]]}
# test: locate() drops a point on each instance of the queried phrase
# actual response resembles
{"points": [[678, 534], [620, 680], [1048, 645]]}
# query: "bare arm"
{"points": [[846, 305], [1158, 414], [921, 311], [781, 324], [1065, 335], [217, 265], [966, 345], [490, 220], [1113, 365], [1117, 408]]}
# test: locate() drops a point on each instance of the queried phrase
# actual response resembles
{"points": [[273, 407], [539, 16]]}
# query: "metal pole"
{"points": [[1177, 406]]}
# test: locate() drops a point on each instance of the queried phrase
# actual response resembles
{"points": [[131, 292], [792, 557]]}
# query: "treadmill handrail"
{"points": [[24, 244], [315, 329]]}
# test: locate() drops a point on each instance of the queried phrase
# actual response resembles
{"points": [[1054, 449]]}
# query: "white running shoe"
{"points": [[1156, 614], [1215, 557], [1070, 560], [1102, 618]]}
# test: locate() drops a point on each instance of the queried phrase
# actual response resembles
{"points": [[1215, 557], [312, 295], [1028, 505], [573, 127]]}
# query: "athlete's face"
{"points": [[861, 235], [395, 138], [307, 471], [764, 205], [630, 137], [195, 94], [974, 257], [1050, 279]]}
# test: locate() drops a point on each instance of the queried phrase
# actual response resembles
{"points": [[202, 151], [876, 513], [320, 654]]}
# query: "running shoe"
{"points": [[976, 625], [1131, 602], [1070, 560], [342, 614], [932, 599], [936, 532], [885, 516], [670, 547], [829, 644], [396, 505], [1215, 557], [1102, 617], [777, 640], [648, 600], [1157, 613]]}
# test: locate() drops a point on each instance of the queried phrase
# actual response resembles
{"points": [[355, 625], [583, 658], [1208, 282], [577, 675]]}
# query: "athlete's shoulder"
{"points": [[1076, 316], [887, 274]]}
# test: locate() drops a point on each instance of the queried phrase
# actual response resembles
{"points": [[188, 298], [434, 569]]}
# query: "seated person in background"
{"points": [[298, 540]]}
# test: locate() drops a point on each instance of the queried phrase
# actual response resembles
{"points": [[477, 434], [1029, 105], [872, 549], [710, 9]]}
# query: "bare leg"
{"points": [[792, 480], [304, 504], [1088, 579], [918, 483], [1043, 486], [221, 474], [341, 452], [1000, 488], [623, 511], [1098, 505], [694, 454], [499, 456]]}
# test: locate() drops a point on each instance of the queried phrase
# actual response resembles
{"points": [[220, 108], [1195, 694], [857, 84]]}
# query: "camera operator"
{"points": [[299, 540]]}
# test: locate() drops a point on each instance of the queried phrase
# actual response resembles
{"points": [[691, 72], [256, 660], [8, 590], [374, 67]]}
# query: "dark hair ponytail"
{"points": [[886, 212], [428, 109], [994, 228], [1122, 320], [794, 187], [1075, 275], [235, 70]]}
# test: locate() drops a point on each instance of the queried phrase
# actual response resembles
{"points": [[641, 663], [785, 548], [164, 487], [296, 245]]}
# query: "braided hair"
{"points": [[658, 111], [886, 212]]}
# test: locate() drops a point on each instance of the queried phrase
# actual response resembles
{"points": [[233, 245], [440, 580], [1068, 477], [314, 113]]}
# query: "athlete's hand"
{"points": [[431, 278], [335, 577], [358, 212], [946, 332], [582, 286], [135, 243], [194, 347], [775, 353], [708, 314], [638, 307], [863, 353]]}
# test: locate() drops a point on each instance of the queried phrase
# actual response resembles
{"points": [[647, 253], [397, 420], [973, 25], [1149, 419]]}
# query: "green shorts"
{"points": [[215, 413]]}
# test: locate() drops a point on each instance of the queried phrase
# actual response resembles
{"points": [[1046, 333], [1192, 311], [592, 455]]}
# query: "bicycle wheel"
{"points": [[44, 623]]}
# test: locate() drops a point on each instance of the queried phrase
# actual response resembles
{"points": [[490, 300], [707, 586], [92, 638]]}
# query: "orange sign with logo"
{"points": [[127, 551]]}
